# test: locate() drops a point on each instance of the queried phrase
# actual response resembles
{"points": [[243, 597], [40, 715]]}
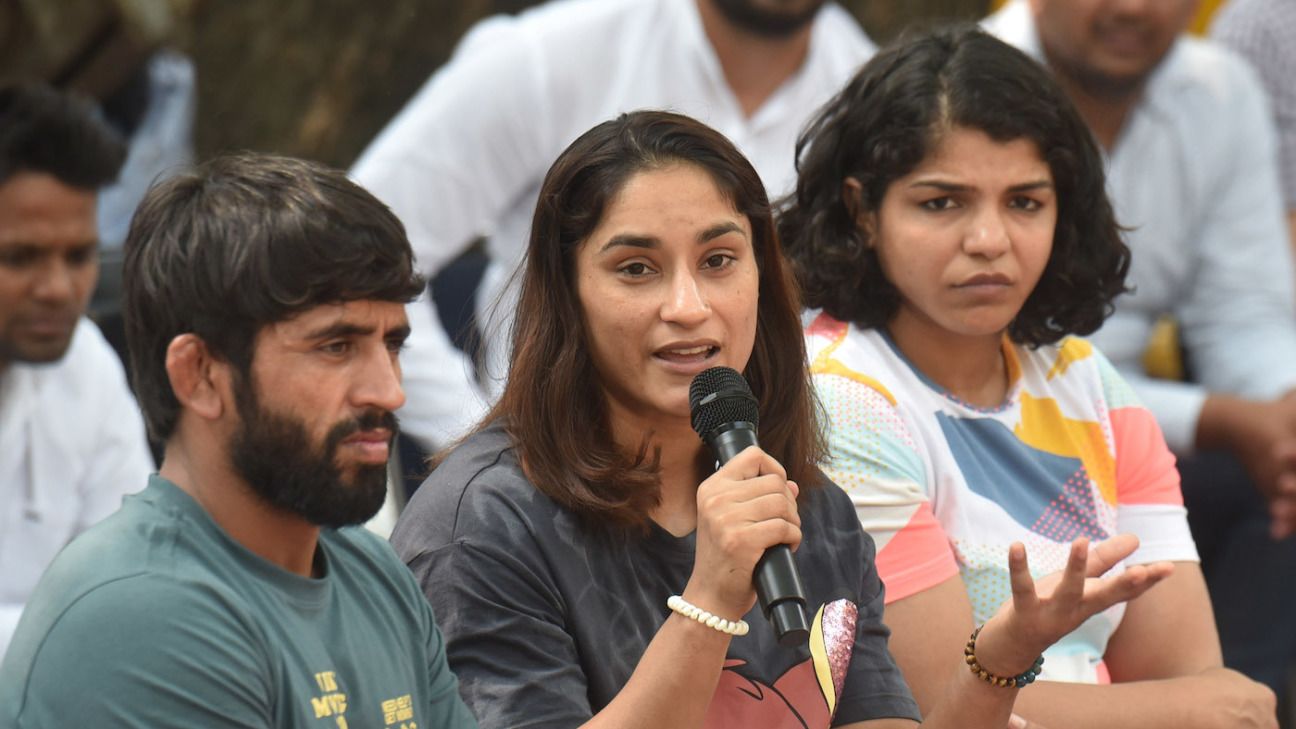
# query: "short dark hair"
{"points": [[553, 406], [44, 130], [886, 121], [244, 241]]}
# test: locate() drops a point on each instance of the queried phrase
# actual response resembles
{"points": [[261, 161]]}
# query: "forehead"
{"points": [[675, 195], [967, 151], [38, 209]]}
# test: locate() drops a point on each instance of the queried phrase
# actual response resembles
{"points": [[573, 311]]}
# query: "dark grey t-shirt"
{"points": [[545, 619]]}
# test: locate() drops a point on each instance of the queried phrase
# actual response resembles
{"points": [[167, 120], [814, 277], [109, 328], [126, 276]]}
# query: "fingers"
{"points": [[1019, 577], [752, 462], [1109, 552], [773, 532], [1126, 586]]}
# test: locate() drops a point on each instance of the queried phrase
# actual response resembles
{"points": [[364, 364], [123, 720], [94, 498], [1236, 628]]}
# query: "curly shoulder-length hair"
{"points": [[889, 118], [553, 404]]}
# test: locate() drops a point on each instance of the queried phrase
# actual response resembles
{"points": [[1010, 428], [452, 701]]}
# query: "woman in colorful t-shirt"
{"points": [[952, 235]]}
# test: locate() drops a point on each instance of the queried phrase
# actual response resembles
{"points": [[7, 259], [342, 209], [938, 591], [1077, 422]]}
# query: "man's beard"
{"points": [[1097, 84], [766, 23], [274, 455]]}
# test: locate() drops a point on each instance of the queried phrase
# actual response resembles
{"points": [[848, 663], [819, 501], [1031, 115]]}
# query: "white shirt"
{"points": [[467, 156], [1264, 33], [1193, 175], [72, 444]]}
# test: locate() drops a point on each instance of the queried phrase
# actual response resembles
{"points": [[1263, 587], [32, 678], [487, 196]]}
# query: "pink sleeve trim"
{"points": [[1145, 467], [917, 557]]}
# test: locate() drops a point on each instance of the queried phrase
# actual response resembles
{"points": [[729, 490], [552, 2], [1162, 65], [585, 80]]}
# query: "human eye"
{"points": [[937, 204], [634, 269], [18, 257], [336, 347], [81, 256], [718, 261], [396, 345], [1026, 203]]}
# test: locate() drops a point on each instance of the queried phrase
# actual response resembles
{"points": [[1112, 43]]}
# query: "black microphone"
{"points": [[725, 413]]}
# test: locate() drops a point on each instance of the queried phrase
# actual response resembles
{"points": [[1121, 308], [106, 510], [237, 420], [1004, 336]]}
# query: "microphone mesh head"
{"points": [[721, 395]]}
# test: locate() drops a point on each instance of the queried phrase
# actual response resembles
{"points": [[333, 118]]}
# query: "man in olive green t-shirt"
{"points": [[265, 312]]}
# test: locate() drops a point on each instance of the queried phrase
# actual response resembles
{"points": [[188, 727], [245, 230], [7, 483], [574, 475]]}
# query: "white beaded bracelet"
{"points": [[693, 612]]}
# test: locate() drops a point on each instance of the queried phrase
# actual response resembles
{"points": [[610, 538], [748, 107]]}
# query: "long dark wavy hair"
{"points": [[553, 405], [888, 119]]}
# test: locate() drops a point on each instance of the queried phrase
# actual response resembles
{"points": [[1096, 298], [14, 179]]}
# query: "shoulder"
{"points": [[152, 545], [1203, 78], [850, 363], [1075, 363], [180, 639], [832, 528], [829, 505], [478, 494]]}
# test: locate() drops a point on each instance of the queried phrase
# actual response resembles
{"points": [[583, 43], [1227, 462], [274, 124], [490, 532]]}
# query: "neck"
{"points": [[1104, 115], [754, 66], [1105, 105], [971, 369], [203, 472]]}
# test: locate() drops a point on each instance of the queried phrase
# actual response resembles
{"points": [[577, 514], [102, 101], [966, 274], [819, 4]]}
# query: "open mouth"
{"points": [[985, 280], [685, 355]]}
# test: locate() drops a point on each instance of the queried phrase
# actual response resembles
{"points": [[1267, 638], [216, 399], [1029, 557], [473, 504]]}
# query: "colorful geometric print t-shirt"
{"points": [[945, 487], [546, 618]]}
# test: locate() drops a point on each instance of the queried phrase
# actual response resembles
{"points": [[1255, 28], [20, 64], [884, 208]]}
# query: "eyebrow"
{"points": [[956, 187], [21, 245], [347, 329], [633, 240], [339, 329]]}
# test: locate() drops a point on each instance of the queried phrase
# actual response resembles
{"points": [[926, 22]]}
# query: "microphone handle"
{"points": [[778, 582]]}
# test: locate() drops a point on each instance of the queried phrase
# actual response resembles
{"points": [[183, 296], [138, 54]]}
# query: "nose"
{"points": [[55, 282], [378, 383], [988, 235], [686, 303]]}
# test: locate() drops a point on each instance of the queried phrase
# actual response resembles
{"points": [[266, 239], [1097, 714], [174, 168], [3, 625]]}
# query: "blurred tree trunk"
{"points": [[319, 78]]}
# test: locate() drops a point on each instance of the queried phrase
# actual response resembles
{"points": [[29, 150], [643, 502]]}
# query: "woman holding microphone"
{"points": [[576, 545]]}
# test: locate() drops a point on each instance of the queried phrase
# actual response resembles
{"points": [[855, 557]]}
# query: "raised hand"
{"points": [[1039, 614], [742, 509]]}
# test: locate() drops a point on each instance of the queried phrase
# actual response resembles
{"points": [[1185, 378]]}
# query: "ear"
{"points": [[199, 380], [853, 195]]}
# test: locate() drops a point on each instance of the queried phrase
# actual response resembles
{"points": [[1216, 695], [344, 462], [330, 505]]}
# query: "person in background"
{"points": [[467, 155], [72, 441], [265, 312], [1261, 31], [1192, 170], [589, 566], [951, 232]]}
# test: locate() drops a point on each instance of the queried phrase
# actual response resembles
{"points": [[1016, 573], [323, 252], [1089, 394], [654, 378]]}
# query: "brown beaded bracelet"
{"points": [[1020, 680]]}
